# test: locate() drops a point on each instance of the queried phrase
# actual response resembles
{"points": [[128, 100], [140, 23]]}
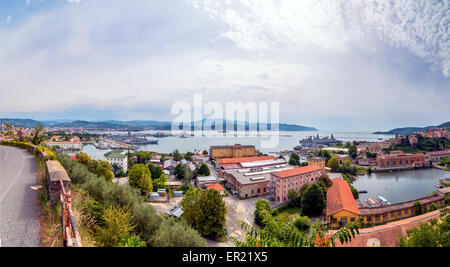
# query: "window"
{"points": [[369, 218], [405, 212], [399, 213], [259, 190], [377, 218], [392, 214]]}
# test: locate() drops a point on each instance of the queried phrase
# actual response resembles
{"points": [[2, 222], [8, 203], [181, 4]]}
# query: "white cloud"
{"points": [[321, 60], [262, 25]]}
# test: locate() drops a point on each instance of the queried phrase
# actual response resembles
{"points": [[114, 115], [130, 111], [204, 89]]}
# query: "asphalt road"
{"points": [[19, 210]]}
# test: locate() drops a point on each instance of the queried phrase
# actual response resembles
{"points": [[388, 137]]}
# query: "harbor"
{"points": [[398, 187]]}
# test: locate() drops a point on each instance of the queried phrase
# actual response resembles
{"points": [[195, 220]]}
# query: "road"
{"points": [[19, 210]]}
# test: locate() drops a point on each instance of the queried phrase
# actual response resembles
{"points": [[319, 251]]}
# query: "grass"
{"points": [[287, 214], [50, 231]]}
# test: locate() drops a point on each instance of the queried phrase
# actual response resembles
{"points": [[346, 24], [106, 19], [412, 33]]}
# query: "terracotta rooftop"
{"points": [[217, 187], [340, 197], [247, 159], [298, 171]]}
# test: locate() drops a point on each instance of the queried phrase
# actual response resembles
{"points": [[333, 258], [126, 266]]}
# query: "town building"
{"points": [[317, 161], [170, 165], [341, 205], [206, 180], [65, 145], [217, 187], [413, 140], [283, 181], [232, 151], [252, 182], [342, 158], [401, 160], [118, 158], [235, 163], [437, 156], [388, 213]]}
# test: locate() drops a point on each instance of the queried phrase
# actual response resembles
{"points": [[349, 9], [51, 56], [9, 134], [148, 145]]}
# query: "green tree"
{"points": [[204, 170], [353, 151], [141, 178], [295, 198], [115, 228], [313, 200], [188, 156], [205, 152], [325, 180], [189, 205], [155, 170], [146, 221], [334, 164], [294, 159], [211, 214], [176, 155], [261, 205], [302, 223]]}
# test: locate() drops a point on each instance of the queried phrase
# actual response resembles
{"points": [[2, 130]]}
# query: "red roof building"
{"points": [[340, 197], [292, 179]]}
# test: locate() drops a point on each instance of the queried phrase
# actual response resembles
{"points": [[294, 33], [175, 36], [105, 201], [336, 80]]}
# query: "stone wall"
{"points": [[55, 173]]}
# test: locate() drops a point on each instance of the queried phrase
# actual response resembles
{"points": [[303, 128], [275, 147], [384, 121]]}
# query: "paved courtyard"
{"points": [[237, 210]]}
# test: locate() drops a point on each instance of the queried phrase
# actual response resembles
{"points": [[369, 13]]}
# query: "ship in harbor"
{"points": [[316, 141]]}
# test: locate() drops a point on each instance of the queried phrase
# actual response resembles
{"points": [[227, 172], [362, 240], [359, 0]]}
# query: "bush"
{"points": [[302, 223], [146, 221], [116, 227], [260, 206], [176, 233]]}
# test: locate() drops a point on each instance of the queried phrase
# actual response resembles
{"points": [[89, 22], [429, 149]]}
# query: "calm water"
{"points": [[400, 186], [287, 141]]}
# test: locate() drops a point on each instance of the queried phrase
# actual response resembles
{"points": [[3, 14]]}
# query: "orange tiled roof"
{"points": [[298, 171], [247, 159], [340, 197], [217, 187]]}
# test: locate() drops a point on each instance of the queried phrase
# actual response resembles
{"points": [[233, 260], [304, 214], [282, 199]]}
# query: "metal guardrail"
{"points": [[71, 236]]}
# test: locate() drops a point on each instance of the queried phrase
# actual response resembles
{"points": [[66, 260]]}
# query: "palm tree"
{"points": [[36, 136]]}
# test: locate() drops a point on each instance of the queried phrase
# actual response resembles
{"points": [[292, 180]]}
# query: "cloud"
{"points": [[330, 64], [419, 26]]}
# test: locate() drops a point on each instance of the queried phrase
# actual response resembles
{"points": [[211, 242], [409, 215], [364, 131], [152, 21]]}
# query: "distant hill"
{"points": [[133, 125], [94, 125], [411, 130], [20, 122]]}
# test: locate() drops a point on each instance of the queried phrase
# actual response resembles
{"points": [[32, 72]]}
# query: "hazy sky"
{"points": [[356, 65]]}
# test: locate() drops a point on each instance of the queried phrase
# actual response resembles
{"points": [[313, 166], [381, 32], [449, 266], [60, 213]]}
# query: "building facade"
{"points": [[317, 161], [401, 160], [233, 151], [65, 145], [283, 181], [341, 205], [437, 156], [118, 158]]}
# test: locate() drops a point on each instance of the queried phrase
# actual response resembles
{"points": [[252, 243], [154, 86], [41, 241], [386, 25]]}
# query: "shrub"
{"points": [[302, 223], [116, 227], [146, 221], [176, 233], [260, 206]]}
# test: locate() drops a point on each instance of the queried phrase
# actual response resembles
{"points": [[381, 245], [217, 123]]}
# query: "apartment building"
{"points": [[283, 181]]}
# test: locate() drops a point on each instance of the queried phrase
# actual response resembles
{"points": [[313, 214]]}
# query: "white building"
{"points": [[117, 157], [65, 145]]}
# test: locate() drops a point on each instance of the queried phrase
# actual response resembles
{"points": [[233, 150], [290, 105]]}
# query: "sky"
{"points": [[331, 64]]}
